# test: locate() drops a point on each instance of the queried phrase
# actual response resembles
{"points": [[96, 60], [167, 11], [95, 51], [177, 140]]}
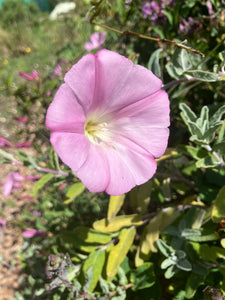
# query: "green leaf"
{"points": [[121, 7], [117, 223], [170, 272], [184, 264], [164, 248], [154, 227], [41, 183], [115, 203], [221, 134], [69, 239], [166, 263], [216, 117], [218, 211], [214, 236], [7, 155], [172, 71], [90, 235], [74, 191], [143, 277], [202, 75], [188, 114], [181, 61], [192, 284], [95, 260], [207, 162], [154, 63], [118, 253]]}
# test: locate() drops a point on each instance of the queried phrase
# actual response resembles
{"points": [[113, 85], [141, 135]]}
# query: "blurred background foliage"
{"points": [[164, 239]]}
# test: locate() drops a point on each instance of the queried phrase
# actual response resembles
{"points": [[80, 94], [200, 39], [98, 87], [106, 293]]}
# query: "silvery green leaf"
{"points": [[154, 64], [164, 248], [181, 61], [222, 56], [190, 232], [172, 71], [188, 113], [166, 263], [207, 162], [217, 115], [221, 134], [180, 254], [219, 148], [184, 265], [202, 75], [170, 272]]}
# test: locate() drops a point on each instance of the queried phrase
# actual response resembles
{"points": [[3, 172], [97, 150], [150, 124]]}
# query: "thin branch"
{"points": [[142, 36]]}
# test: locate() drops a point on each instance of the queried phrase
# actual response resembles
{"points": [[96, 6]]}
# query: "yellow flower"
{"points": [[5, 61], [28, 50]]}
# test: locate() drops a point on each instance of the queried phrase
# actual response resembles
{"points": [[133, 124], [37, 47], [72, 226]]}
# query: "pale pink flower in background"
{"points": [[3, 223], [12, 182], [4, 142], [31, 232], [36, 213], [21, 119], [32, 77], [96, 41], [109, 122], [24, 145]]}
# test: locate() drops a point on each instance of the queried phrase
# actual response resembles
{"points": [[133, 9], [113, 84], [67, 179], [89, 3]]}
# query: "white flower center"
{"points": [[98, 130]]}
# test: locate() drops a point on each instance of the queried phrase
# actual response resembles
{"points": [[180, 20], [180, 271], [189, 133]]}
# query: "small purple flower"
{"points": [[31, 77], [36, 213], [2, 223], [31, 232], [146, 10], [4, 142], [190, 26], [12, 182], [57, 71], [96, 41]]}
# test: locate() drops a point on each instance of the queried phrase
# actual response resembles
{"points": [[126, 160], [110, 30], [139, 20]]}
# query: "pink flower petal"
{"points": [[64, 142], [12, 182], [24, 145], [81, 79], [121, 85], [145, 123], [94, 173], [3, 223], [30, 232], [67, 115], [4, 142], [127, 169]]}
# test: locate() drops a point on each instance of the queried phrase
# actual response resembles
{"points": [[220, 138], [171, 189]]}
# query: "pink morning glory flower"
{"points": [[109, 122], [96, 41]]}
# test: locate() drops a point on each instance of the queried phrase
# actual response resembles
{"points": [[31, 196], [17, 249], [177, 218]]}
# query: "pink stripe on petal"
{"points": [[94, 173], [72, 148]]}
